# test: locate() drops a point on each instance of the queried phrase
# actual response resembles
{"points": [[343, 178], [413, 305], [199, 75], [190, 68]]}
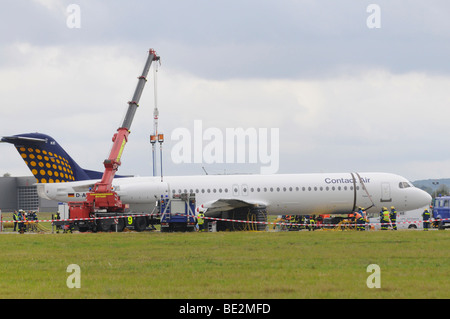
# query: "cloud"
{"points": [[56, 6], [376, 120], [251, 39]]}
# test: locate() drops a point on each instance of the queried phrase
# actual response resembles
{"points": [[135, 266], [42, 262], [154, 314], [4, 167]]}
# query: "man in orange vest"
{"points": [[359, 218]]}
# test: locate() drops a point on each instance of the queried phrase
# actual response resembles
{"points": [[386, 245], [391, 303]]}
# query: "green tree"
{"points": [[442, 190]]}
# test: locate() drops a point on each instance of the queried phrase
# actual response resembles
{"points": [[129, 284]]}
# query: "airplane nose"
{"points": [[421, 198]]}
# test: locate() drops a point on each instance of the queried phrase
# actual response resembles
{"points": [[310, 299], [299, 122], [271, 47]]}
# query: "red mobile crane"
{"points": [[103, 201]]}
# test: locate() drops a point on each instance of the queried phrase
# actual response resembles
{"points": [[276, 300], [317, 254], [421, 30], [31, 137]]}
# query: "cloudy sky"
{"points": [[344, 96]]}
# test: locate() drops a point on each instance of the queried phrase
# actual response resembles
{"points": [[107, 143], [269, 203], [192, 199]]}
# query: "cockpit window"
{"points": [[404, 185]]}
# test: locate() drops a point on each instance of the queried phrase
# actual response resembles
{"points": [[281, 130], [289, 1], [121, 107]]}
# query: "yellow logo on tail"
{"points": [[47, 167]]}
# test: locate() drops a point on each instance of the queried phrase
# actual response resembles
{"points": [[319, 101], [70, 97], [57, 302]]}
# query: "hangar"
{"points": [[21, 193]]}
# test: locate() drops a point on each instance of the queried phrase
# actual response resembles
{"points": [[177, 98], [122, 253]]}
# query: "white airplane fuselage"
{"points": [[293, 194]]}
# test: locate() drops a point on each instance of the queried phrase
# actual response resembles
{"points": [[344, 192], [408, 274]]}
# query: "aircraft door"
{"points": [[386, 192]]}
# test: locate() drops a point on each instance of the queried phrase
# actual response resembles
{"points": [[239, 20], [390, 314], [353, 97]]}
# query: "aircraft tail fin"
{"points": [[47, 160]]}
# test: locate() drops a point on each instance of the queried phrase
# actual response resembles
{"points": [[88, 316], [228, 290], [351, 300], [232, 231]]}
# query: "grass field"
{"points": [[320, 264]]}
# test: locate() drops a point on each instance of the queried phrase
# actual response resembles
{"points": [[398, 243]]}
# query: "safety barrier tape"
{"points": [[307, 224], [222, 219], [315, 224], [74, 219]]}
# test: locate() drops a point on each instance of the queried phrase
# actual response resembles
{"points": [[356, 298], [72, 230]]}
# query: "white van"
{"points": [[411, 219]]}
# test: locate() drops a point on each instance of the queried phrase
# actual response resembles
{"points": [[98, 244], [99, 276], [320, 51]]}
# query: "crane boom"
{"points": [[120, 138], [133, 104], [102, 197]]}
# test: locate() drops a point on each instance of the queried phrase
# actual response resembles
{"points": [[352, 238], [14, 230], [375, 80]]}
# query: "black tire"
{"points": [[103, 225], [261, 217], [140, 224], [120, 225], [83, 229]]}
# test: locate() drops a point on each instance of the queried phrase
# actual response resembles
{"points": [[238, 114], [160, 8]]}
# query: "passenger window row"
{"points": [[266, 189]]}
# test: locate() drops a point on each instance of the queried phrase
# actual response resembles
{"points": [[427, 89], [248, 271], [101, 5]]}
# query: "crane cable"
{"points": [[155, 117], [155, 111]]}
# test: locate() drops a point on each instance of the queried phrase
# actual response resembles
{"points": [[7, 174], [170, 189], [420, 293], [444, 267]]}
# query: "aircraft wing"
{"points": [[222, 205]]}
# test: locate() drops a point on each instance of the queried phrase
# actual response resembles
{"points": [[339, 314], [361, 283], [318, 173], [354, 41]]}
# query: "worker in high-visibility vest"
{"points": [[366, 220], [386, 220], [15, 218], [312, 223], [426, 219], [21, 218], [201, 221], [393, 217], [294, 222], [359, 218]]}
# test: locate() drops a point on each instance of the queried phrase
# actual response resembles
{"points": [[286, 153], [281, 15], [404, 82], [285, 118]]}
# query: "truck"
{"points": [[441, 212], [103, 210], [177, 213]]}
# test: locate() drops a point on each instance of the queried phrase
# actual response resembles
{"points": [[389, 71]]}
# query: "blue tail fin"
{"points": [[47, 160]]}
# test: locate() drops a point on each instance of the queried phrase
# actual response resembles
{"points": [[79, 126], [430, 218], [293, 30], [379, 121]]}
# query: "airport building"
{"points": [[21, 193]]}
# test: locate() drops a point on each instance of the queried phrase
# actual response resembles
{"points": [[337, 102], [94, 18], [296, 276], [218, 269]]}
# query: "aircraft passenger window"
{"points": [[191, 191], [226, 190], [309, 188], [333, 188], [173, 191], [290, 189], [185, 190], [345, 188], [208, 190], [278, 189], [339, 188], [351, 188], [203, 190], [252, 189], [258, 189], [197, 191], [297, 189], [321, 188], [303, 189], [265, 189], [214, 190], [271, 189], [315, 188], [220, 190]]}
